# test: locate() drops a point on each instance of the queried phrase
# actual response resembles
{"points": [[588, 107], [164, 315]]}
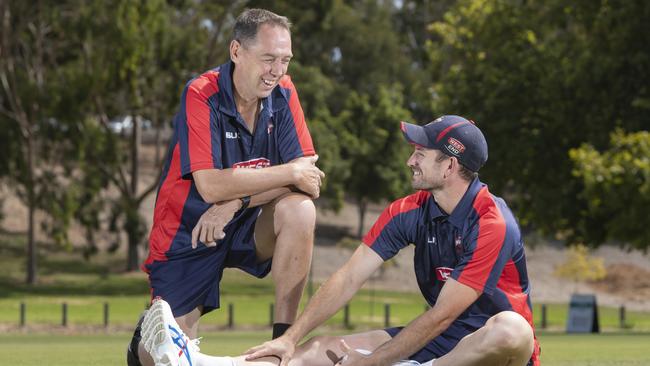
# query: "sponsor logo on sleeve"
{"points": [[443, 273], [257, 163]]}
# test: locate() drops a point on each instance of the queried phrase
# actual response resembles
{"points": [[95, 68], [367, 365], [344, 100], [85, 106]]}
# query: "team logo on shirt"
{"points": [[454, 146], [269, 129], [443, 273], [232, 135], [257, 163], [458, 245]]}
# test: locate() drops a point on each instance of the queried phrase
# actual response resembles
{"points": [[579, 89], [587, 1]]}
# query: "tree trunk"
{"points": [[31, 202], [362, 205], [132, 223], [133, 239]]}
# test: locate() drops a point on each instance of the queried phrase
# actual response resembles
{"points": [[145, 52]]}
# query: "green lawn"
{"points": [[108, 350]]}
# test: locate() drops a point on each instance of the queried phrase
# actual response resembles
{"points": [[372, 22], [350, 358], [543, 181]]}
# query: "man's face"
{"points": [[428, 168], [262, 62]]}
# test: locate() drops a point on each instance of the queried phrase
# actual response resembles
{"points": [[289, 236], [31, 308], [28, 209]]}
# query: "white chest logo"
{"points": [[232, 135], [431, 240]]}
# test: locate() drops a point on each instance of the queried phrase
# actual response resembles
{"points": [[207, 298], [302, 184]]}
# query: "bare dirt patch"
{"points": [[627, 281]]}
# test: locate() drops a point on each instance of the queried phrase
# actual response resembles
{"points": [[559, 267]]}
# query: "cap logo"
{"points": [[454, 146]]}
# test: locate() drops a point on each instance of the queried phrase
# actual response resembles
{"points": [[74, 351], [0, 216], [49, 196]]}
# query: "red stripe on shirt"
{"points": [[399, 206], [197, 113], [169, 208], [304, 138], [518, 299], [491, 234]]}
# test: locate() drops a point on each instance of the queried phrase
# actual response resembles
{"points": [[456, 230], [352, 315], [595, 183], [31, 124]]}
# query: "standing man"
{"points": [[469, 263], [238, 183]]}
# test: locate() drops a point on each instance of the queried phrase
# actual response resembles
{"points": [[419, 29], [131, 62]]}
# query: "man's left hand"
{"points": [[210, 226]]}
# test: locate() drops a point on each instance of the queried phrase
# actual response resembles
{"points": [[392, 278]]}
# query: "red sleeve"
{"points": [[298, 117], [201, 149]]}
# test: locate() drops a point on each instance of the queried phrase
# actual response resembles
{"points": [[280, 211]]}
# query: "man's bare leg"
{"points": [[505, 340], [323, 350], [285, 231]]}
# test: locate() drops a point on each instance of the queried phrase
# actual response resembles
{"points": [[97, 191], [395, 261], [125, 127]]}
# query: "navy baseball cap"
{"points": [[453, 135]]}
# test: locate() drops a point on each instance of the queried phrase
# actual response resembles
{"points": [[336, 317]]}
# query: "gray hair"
{"points": [[248, 22]]}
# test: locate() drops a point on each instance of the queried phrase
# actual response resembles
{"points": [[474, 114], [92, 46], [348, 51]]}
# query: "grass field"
{"points": [[86, 285], [108, 350]]}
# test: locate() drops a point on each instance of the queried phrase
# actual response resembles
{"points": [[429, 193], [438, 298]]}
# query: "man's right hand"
{"points": [[282, 347], [307, 176]]}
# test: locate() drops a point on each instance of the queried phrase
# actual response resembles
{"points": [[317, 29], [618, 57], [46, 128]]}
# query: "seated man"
{"points": [[469, 263]]}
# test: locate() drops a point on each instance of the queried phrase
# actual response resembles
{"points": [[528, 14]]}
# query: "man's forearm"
{"points": [[237, 183], [336, 291], [411, 339], [329, 298], [454, 298], [263, 198]]}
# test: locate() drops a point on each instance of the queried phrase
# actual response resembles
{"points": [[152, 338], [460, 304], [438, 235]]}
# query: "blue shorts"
{"points": [[439, 346], [442, 344], [190, 277]]}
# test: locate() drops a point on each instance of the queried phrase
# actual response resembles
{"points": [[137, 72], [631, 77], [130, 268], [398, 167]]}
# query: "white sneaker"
{"points": [[164, 339]]}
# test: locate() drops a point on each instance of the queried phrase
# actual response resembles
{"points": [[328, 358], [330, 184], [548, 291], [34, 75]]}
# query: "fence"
{"points": [[346, 320]]}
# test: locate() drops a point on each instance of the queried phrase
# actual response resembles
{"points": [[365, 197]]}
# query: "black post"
{"points": [[621, 316], [64, 315], [271, 314], [23, 314], [544, 324], [105, 315], [386, 315], [346, 316], [231, 316]]}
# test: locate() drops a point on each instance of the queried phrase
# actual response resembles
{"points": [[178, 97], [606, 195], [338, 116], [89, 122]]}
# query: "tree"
{"points": [[580, 266], [617, 189], [37, 66], [541, 78], [373, 145]]}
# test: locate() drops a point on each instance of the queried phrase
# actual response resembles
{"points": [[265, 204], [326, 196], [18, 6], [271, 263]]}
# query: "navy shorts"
{"points": [[190, 277], [441, 345]]}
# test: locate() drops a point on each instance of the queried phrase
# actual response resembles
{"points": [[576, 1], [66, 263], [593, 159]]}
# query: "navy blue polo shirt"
{"points": [[209, 133], [479, 244]]}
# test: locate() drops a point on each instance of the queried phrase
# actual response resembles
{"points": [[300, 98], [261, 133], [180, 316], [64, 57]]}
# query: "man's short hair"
{"points": [[248, 22]]}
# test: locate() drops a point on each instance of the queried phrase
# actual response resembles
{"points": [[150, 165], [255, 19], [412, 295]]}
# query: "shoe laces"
{"points": [[193, 344]]}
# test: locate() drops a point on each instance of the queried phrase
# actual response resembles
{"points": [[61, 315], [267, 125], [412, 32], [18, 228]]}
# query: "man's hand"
{"points": [[351, 357], [282, 348], [210, 227], [307, 176]]}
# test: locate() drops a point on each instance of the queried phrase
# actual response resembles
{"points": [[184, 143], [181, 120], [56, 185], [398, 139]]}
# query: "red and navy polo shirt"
{"points": [[209, 133], [479, 244]]}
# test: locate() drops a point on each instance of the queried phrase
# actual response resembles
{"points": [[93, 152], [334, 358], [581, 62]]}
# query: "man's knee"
{"points": [[321, 346], [508, 333], [295, 209]]}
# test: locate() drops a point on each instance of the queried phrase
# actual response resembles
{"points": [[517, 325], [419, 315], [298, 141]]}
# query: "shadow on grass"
{"points": [[75, 285], [63, 272]]}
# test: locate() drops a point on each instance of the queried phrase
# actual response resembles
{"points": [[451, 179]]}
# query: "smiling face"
{"points": [[428, 168], [260, 63]]}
